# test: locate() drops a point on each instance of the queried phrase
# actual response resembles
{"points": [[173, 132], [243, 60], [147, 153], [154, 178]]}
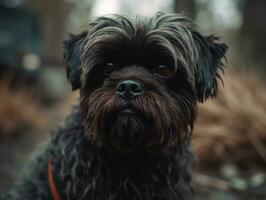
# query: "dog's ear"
{"points": [[72, 53], [209, 55]]}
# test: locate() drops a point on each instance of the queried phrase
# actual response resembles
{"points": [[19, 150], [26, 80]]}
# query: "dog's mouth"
{"points": [[124, 111], [128, 109]]}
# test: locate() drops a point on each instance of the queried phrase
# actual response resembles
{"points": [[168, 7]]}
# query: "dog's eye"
{"points": [[164, 71], [109, 68]]}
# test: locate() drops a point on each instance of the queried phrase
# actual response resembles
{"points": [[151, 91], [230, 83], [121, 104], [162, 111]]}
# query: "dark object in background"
{"points": [[130, 136], [20, 43]]}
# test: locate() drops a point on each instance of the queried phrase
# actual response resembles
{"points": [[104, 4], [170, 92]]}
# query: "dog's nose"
{"points": [[129, 89]]}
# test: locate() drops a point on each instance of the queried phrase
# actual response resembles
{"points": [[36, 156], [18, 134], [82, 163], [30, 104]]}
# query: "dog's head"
{"points": [[140, 80]]}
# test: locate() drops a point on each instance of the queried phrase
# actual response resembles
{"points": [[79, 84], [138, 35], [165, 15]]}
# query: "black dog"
{"points": [[130, 136]]}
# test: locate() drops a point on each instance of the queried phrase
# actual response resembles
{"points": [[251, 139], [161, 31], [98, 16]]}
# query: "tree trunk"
{"points": [[188, 7], [253, 34]]}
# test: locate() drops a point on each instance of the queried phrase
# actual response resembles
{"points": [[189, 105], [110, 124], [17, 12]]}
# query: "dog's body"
{"points": [[129, 138]]}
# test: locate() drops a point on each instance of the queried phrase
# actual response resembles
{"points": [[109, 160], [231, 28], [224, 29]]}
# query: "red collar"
{"points": [[52, 185]]}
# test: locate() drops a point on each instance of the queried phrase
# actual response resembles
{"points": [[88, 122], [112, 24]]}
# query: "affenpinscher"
{"points": [[129, 136]]}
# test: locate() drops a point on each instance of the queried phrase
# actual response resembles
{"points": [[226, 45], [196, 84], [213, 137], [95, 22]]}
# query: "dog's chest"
{"points": [[101, 179]]}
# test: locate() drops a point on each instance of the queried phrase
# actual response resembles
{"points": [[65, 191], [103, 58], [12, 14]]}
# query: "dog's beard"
{"points": [[128, 132], [155, 122]]}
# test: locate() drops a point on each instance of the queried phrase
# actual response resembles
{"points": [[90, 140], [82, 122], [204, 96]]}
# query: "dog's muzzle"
{"points": [[129, 89]]}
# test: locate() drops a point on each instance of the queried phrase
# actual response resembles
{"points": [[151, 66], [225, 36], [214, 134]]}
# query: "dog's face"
{"points": [[140, 80]]}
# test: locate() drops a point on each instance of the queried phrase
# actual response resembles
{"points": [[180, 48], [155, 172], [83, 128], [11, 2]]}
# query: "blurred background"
{"points": [[230, 134]]}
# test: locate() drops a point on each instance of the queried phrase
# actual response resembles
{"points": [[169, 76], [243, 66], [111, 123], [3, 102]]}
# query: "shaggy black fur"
{"points": [[129, 138]]}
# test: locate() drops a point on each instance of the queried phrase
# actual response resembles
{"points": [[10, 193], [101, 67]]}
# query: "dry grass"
{"points": [[19, 111], [232, 128]]}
